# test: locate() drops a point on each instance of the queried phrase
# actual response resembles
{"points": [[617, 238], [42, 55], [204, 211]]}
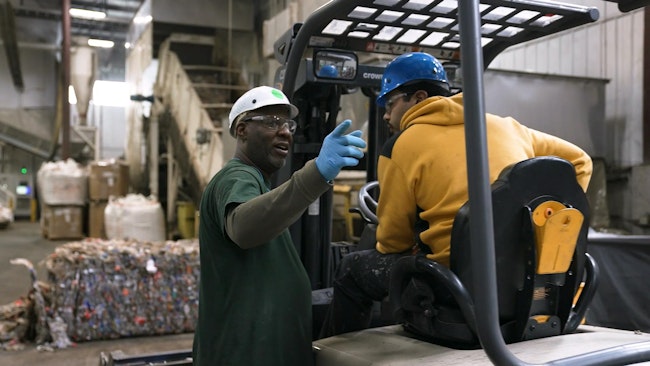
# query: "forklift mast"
{"points": [[318, 97]]}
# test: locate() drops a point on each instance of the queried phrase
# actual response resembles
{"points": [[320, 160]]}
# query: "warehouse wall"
{"points": [[569, 107], [207, 13], [38, 70], [612, 49]]}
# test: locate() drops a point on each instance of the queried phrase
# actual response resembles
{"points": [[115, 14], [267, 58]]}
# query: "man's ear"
{"points": [[240, 131], [421, 95]]}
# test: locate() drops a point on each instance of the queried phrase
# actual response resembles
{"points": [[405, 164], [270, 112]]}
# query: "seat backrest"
{"points": [[534, 301]]}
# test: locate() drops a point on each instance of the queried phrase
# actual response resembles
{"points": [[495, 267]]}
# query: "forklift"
{"points": [[339, 50]]}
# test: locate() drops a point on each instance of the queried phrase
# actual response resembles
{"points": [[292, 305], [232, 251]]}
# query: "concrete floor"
{"points": [[22, 239]]}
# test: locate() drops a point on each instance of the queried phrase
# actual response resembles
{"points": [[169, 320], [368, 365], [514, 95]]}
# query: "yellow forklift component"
{"points": [[556, 234], [541, 318]]}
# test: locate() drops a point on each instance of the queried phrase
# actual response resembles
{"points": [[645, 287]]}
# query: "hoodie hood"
{"points": [[441, 111]]}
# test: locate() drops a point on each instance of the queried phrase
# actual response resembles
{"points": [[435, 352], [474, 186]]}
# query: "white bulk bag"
{"points": [[62, 183], [6, 216], [134, 217]]}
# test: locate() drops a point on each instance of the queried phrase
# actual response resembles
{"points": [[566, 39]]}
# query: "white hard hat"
{"points": [[255, 98]]}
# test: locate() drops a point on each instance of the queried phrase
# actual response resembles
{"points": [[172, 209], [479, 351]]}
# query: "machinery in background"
{"points": [[182, 138], [21, 186]]}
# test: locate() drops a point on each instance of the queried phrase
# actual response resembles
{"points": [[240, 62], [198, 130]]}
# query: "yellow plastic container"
{"points": [[196, 223], [185, 213]]}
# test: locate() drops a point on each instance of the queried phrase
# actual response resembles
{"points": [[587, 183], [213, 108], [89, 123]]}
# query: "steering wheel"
{"points": [[367, 204]]}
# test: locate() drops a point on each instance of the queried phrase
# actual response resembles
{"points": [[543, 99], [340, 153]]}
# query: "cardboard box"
{"points": [[108, 178], [62, 222], [96, 226]]}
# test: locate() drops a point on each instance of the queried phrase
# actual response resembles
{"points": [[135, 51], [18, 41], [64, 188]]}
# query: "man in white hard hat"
{"points": [[255, 296]]}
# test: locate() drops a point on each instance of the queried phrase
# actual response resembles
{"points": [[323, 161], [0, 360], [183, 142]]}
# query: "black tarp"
{"points": [[622, 298]]}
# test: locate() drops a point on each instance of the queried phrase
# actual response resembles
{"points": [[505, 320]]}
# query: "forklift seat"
{"points": [[541, 219]]}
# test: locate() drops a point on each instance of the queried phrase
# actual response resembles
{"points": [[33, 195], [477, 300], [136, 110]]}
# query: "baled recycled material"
{"points": [[424, 170], [107, 289]]}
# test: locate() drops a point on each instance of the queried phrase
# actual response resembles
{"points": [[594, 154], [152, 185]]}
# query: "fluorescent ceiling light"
{"points": [[100, 43], [87, 14], [142, 20]]}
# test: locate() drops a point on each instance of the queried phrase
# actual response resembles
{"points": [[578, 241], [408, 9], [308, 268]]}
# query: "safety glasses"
{"points": [[274, 123], [393, 99]]}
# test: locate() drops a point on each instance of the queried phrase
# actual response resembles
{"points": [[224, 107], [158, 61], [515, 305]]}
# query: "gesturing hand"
{"points": [[339, 150]]}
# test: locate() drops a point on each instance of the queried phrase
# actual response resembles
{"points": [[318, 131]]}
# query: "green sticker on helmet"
{"points": [[278, 94]]}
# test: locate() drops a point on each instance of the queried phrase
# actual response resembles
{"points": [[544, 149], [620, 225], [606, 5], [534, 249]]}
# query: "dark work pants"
{"points": [[361, 277]]}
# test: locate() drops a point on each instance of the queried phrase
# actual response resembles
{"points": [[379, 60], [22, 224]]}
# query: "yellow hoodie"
{"points": [[423, 175]]}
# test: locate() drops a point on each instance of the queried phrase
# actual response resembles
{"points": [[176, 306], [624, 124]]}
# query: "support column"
{"points": [[65, 64]]}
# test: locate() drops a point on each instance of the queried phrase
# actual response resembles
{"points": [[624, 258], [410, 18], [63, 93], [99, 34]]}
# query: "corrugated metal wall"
{"points": [[611, 48]]}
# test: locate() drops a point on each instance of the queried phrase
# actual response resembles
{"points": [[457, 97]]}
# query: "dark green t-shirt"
{"points": [[254, 304]]}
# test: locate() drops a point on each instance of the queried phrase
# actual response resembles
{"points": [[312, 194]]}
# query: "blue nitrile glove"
{"points": [[339, 150]]}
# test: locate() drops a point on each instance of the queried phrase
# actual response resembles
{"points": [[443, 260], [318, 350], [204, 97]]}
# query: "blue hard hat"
{"points": [[328, 71], [409, 68]]}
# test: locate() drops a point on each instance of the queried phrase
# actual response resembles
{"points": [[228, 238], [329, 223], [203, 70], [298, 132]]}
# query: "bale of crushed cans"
{"points": [[107, 289]]}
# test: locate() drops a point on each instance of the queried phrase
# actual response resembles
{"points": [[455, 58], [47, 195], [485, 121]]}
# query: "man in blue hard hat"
{"points": [[423, 178]]}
